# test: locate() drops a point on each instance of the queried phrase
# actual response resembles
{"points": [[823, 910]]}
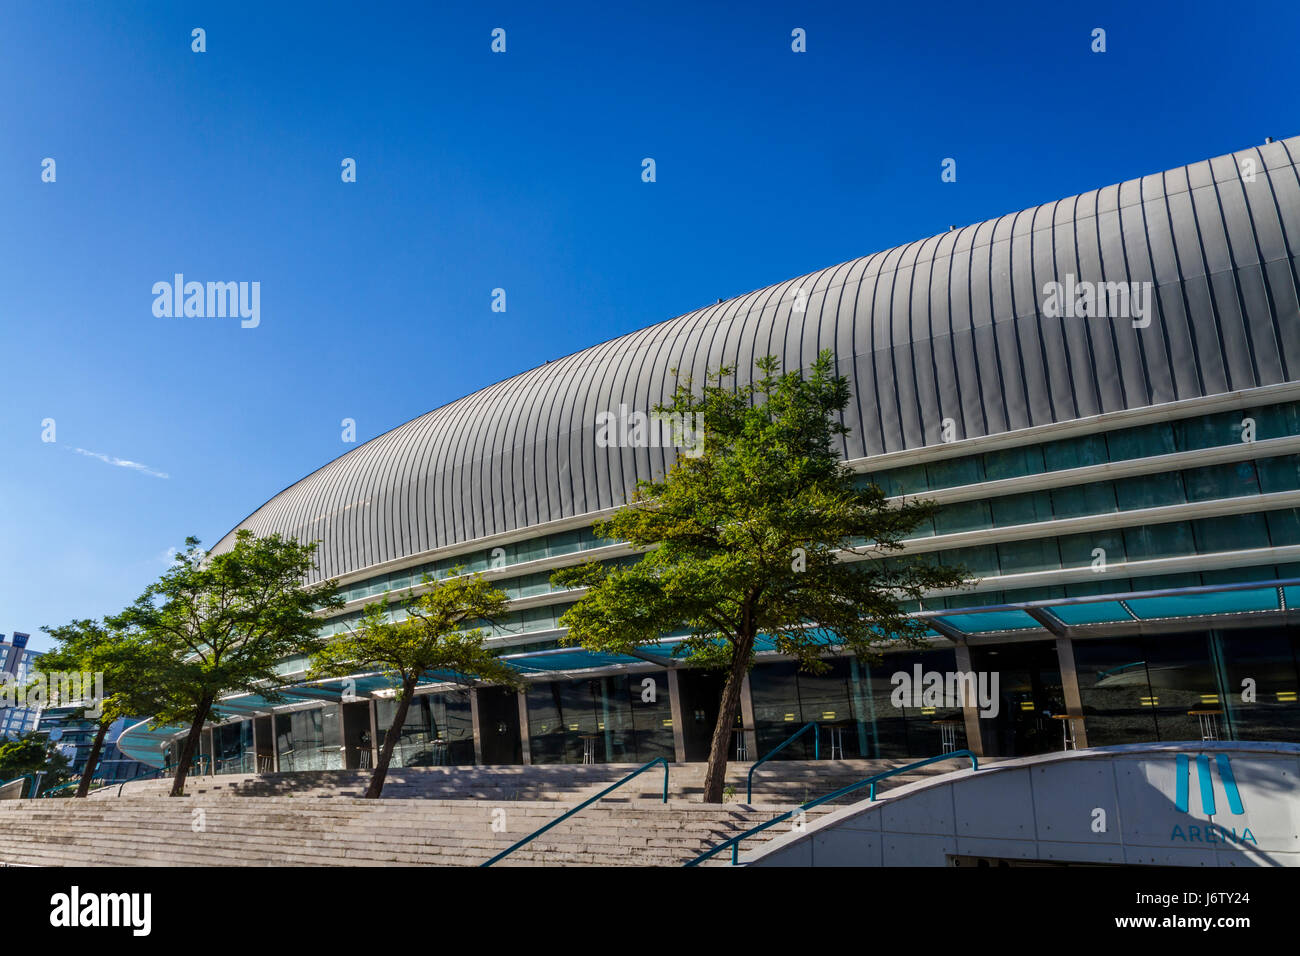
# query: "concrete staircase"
{"points": [[445, 816], [345, 831], [787, 782]]}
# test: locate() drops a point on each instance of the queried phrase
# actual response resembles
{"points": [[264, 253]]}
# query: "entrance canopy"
{"points": [[1137, 612]]}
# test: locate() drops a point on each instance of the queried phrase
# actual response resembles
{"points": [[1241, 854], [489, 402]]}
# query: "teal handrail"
{"points": [[75, 781], [817, 755], [24, 776], [582, 806], [734, 842], [139, 776]]}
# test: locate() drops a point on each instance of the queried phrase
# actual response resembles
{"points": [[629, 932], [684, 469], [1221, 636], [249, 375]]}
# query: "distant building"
{"points": [[16, 663], [73, 736]]}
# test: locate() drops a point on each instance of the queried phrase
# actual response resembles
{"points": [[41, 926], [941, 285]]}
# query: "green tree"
{"points": [[131, 668], [431, 638], [751, 537], [224, 621], [32, 754]]}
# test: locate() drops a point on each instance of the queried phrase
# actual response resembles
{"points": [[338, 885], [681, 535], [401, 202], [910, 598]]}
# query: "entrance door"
{"points": [[498, 720], [357, 754], [701, 699], [1029, 685]]}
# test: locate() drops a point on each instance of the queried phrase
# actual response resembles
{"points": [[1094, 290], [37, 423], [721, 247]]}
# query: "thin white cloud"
{"points": [[122, 463]]}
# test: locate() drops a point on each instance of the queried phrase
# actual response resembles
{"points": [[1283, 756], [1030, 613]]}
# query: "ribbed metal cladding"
{"points": [[949, 327]]}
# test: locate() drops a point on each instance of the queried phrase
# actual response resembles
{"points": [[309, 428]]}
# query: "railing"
{"points": [[582, 806], [817, 754], [31, 777], [75, 782], [734, 842]]}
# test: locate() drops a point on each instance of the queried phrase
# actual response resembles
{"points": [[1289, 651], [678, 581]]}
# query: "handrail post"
{"points": [[734, 842], [582, 806], [817, 751]]}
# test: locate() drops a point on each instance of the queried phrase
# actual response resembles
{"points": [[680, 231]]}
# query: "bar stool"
{"points": [[1209, 721], [1068, 741], [589, 747], [948, 733], [837, 742], [742, 742]]}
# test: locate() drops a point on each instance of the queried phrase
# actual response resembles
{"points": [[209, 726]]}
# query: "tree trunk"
{"points": [[390, 740], [715, 777], [92, 761], [187, 749]]}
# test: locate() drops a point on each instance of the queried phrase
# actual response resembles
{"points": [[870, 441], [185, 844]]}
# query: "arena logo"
{"points": [[637, 429], [946, 689], [215, 300], [75, 909], [1209, 832], [1075, 299], [41, 690]]}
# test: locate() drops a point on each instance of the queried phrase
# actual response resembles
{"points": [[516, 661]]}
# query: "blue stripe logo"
{"points": [[1182, 794]]}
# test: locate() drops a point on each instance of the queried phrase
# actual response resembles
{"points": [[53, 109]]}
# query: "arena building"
{"points": [[1102, 393]]}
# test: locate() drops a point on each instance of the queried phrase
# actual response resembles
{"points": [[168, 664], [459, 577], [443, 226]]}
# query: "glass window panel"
{"points": [[1018, 557], [1229, 480], [1142, 442], [1158, 541], [1093, 498], [954, 472], [980, 561], [1283, 526], [1277, 421], [1077, 550], [1267, 658], [962, 516], [1027, 508], [1013, 462], [1279, 474], [1207, 431], [566, 542], [1116, 695], [1230, 533], [1150, 491], [1075, 452]]}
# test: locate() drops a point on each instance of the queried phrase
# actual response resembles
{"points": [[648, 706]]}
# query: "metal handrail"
{"points": [[734, 842], [23, 776], [582, 806], [817, 755]]}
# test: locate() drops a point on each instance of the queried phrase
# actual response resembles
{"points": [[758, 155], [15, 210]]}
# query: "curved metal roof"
{"points": [[951, 326]]}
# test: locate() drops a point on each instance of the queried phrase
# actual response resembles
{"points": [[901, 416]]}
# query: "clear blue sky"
{"points": [[478, 171]]}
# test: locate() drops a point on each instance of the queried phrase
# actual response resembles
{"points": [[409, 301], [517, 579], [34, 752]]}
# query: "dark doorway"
{"points": [[701, 698], [357, 753], [1029, 698], [265, 745], [498, 721]]}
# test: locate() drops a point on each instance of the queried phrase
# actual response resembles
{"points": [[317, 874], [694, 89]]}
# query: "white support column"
{"points": [[679, 723]]}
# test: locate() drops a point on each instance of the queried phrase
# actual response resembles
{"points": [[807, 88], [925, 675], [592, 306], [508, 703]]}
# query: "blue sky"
{"points": [[476, 171]]}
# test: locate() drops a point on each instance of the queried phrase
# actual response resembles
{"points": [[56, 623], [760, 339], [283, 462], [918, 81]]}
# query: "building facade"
{"points": [[1102, 393], [16, 664]]}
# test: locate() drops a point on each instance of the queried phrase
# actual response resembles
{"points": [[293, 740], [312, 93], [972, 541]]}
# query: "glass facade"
{"points": [[616, 719], [1232, 683]]}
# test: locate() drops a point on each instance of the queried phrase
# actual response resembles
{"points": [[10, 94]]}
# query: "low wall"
{"points": [[1175, 804]]}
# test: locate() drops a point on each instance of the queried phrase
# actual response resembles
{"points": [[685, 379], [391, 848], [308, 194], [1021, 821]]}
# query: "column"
{"points": [[970, 706], [525, 738], [679, 724], [474, 719], [1070, 689], [747, 718]]}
